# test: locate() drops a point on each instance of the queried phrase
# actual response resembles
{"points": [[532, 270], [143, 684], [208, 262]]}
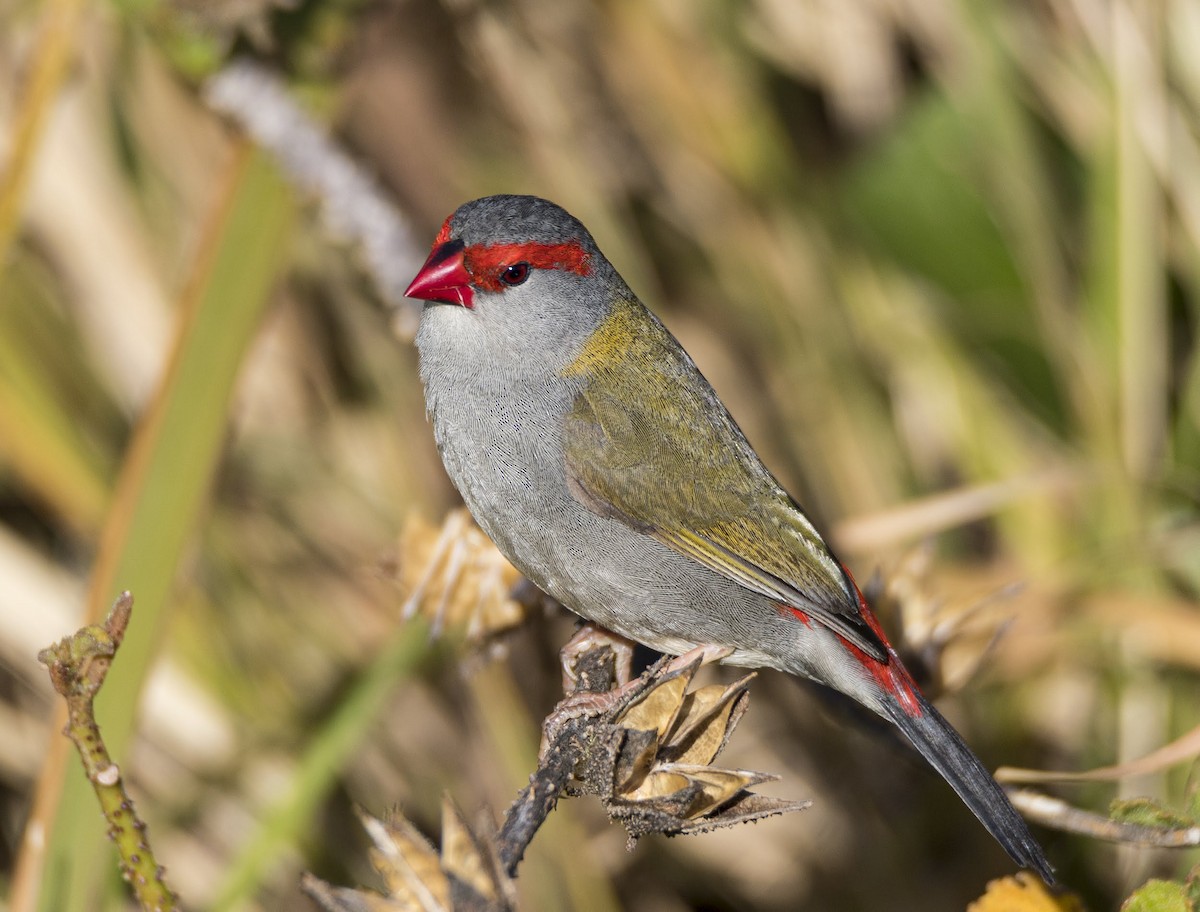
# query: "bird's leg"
{"points": [[592, 636], [580, 703]]}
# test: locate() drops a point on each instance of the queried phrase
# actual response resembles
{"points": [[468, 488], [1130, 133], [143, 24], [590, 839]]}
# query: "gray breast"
{"points": [[501, 443]]}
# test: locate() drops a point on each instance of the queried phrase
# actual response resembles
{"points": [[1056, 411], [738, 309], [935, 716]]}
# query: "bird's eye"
{"points": [[514, 274]]}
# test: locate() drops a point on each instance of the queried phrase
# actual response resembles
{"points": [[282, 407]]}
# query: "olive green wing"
{"points": [[653, 447]]}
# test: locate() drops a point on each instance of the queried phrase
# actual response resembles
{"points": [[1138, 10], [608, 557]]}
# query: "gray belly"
{"points": [[506, 461]]}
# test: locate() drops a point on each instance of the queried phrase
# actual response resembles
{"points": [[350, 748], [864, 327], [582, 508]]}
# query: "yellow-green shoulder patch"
{"points": [[612, 339]]}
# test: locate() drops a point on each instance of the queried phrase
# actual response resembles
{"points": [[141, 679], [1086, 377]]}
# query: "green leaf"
{"points": [[1158, 896], [1193, 887], [163, 491], [1148, 812]]}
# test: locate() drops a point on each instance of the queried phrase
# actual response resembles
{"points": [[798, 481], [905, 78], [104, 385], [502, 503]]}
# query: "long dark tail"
{"points": [[946, 751]]}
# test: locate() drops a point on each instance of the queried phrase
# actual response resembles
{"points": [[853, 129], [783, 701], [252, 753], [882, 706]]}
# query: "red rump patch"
{"points": [[485, 263], [891, 676], [799, 615]]}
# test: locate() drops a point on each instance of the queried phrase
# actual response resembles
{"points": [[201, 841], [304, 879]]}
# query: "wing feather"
{"points": [[674, 465]]}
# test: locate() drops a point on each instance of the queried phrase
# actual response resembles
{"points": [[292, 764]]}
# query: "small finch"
{"points": [[596, 456]]}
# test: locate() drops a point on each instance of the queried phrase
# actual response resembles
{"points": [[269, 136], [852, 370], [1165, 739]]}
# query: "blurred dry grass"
{"points": [[941, 259]]}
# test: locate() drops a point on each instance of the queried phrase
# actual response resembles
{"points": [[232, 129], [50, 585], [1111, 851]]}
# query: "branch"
{"points": [[645, 749], [1060, 815], [78, 666]]}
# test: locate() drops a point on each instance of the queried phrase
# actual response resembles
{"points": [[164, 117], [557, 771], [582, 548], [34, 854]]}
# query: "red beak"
{"points": [[444, 277]]}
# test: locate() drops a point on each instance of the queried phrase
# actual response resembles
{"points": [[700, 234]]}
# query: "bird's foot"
{"points": [[592, 636], [582, 704], [579, 704]]}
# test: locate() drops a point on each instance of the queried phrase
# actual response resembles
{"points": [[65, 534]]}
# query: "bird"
{"points": [[589, 447]]}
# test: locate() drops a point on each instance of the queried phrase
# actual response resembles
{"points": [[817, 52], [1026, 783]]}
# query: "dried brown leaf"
{"points": [[612, 748]]}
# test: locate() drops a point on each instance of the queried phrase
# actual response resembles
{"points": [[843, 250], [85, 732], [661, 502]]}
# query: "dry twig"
{"points": [[1060, 815]]}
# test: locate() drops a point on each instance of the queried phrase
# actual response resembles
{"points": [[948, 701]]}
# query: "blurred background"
{"points": [[941, 259]]}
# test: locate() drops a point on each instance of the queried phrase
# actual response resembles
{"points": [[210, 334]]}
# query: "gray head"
{"points": [[524, 281], [512, 219]]}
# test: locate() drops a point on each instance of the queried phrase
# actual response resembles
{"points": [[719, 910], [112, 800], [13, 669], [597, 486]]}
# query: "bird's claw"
{"points": [[592, 636]]}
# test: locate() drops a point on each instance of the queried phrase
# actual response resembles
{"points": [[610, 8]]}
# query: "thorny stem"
{"points": [[78, 665]]}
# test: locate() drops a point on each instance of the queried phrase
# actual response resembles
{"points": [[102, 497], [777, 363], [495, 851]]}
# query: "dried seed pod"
{"points": [[419, 878], [455, 578], [659, 742]]}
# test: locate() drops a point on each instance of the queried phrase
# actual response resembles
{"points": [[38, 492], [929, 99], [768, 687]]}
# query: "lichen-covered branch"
{"points": [[78, 665]]}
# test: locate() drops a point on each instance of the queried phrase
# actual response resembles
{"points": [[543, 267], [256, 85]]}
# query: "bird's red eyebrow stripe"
{"points": [[485, 262], [444, 234]]}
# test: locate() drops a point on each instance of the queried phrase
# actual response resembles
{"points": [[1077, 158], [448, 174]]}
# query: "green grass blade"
{"points": [[164, 488], [325, 757]]}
